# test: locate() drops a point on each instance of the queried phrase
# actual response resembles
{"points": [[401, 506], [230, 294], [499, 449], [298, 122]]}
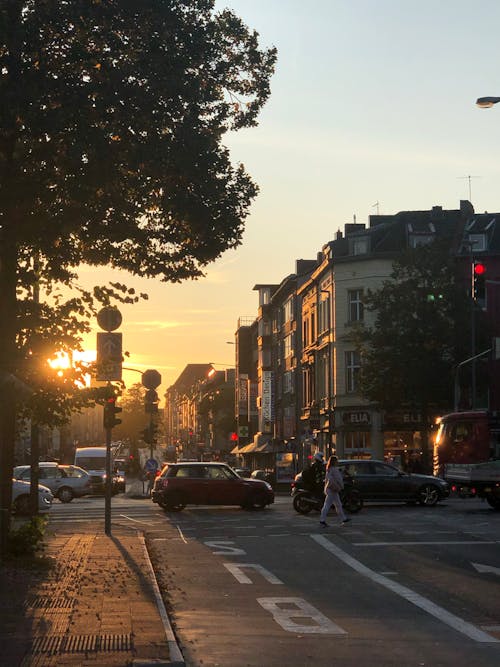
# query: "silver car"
{"points": [[21, 502], [65, 481]]}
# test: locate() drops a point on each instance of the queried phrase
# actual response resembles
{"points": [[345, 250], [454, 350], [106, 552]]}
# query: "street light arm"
{"points": [[487, 102]]}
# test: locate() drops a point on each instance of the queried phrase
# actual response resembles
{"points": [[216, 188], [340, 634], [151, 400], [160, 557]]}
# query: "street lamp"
{"points": [[487, 102]]}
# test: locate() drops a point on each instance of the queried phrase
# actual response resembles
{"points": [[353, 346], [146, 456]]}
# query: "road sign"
{"points": [[151, 379], [109, 356], [109, 318]]}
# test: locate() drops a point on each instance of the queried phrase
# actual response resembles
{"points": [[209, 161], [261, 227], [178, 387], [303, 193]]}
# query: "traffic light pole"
{"points": [[108, 485]]}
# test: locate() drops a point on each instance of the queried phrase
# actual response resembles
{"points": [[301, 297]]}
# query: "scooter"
{"points": [[304, 500]]}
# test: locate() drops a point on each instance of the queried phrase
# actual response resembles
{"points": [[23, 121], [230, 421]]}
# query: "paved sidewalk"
{"points": [[99, 605]]}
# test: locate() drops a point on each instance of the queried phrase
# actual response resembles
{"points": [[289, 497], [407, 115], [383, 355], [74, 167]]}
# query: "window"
{"points": [[288, 382], [356, 441], [356, 307], [288, 311], [288, 346], [478, 242], [324, 315], [417, 240], [352, 365], [360, 246]]}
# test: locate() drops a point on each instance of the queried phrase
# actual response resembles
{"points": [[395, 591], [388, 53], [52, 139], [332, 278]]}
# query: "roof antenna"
{"points": [[376, 204], [470, 189]]}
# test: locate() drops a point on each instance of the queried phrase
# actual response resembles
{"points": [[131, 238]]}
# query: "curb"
{"points": [[173, 648]]}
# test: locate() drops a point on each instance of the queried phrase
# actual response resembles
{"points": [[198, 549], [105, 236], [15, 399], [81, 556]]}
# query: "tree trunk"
{"points": [[9, 384]]}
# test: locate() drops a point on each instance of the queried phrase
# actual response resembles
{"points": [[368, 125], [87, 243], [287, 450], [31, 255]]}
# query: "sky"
{"points": [[372, 110]]}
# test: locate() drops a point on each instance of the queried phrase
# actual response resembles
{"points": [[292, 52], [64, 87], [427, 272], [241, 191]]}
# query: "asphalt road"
{"points": [[398, 586]]}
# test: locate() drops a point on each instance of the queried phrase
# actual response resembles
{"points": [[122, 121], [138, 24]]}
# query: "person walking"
{"points": [[334, 483]]}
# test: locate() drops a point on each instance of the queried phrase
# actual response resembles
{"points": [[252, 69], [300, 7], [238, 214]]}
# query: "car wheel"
{"points": [[174, 503], [352, 501], [428, 495], [22, 505], [257, 502], [65, 495]]}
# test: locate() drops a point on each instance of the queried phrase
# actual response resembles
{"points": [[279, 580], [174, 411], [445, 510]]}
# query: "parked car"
{"points": [[21, 497], [243, 472], [262, 474], [378, 480], [65, 481], [181, 484]]}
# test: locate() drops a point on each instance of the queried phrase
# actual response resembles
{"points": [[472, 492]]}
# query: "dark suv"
{"points": [[181, 484]]}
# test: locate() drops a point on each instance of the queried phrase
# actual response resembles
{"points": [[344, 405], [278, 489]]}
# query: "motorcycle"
{"points": [[304, 500]]}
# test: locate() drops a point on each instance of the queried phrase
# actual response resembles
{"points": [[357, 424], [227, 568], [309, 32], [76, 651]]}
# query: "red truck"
{"points": [[467, 453]]}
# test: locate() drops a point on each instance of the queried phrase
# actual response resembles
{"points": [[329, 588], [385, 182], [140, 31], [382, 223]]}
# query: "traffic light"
{"points": [[149, 434], [151, 401], [110, 412], [478, 281]]}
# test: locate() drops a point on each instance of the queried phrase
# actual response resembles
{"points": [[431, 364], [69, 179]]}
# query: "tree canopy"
{"points": [[421, 330], [112, 123]]}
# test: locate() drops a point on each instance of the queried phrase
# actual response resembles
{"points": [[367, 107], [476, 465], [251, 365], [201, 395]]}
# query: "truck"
{"points": [[467, 453]]}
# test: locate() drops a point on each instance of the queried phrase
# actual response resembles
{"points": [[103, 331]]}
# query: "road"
{"points": [[398, 586]]}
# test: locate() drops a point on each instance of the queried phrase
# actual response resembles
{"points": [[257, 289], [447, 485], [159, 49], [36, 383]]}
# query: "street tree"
{"points": [[112, 123], [421, 328]]}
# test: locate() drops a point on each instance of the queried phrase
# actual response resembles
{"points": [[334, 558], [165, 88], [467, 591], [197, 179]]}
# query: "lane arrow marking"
{"points": [[486, 568]]}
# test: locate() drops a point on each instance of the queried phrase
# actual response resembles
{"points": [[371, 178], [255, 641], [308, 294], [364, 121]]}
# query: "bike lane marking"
{"points": [[418, 600], [236, 570], [284, 610], [224, 548]]}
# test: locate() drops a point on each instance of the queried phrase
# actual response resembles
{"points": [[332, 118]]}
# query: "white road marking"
{"points": [[181, 534], [299, 608], [225, 548], [486, 568], [421, 543], [237, 572], [435, 610], [129, 518]]}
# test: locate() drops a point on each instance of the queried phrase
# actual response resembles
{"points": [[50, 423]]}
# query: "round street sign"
{"points": [[109, 318], [151, 379]]}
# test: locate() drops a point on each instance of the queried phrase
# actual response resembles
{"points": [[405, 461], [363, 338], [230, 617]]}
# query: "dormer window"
{"points": [[360, 246], [417, 240], [477, 242]]}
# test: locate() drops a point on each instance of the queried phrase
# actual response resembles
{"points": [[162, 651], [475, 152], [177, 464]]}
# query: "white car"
{"points": [[21, 497]]}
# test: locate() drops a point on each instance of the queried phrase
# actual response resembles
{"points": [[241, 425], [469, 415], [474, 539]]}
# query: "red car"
{"points": [[181, 484]]}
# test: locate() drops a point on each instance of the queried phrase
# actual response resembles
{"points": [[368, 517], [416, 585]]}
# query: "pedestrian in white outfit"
{"points": [[334, 483]]}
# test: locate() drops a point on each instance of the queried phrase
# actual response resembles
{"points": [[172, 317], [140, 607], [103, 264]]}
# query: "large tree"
{"points": [[111, 126], [421, 330]]}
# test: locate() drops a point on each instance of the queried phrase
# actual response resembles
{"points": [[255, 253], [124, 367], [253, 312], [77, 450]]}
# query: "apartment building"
{"points": [[305, 365]]}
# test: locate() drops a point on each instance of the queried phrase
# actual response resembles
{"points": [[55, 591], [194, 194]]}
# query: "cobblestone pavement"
{"points": [[96, 605]]}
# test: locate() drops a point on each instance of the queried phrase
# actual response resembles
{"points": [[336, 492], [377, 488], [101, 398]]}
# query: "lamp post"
{"points": [[487, 102]]}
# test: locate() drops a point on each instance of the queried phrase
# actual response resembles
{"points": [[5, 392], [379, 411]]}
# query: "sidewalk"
{"points": [[98, 605]]}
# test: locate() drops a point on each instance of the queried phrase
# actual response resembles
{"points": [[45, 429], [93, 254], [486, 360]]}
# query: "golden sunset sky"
{"points": [[373, 101]]}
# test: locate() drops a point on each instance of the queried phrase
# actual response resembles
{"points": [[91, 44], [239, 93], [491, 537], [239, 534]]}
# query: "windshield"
{"points": [[92, 462]]}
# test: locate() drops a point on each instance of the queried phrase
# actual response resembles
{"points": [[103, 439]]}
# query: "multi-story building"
{"points": [[329, 303]]}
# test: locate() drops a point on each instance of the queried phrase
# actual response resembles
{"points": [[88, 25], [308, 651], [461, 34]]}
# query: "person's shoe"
{"points": [[323, 524], [345, 521]]}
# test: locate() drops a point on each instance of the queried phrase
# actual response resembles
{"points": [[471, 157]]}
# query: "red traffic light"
{"points": [[479, 268]]}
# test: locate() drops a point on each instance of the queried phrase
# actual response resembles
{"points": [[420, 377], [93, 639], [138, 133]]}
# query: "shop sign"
{"points": [[361, 418], [408, 418], [267, 396], [243, 394]]}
